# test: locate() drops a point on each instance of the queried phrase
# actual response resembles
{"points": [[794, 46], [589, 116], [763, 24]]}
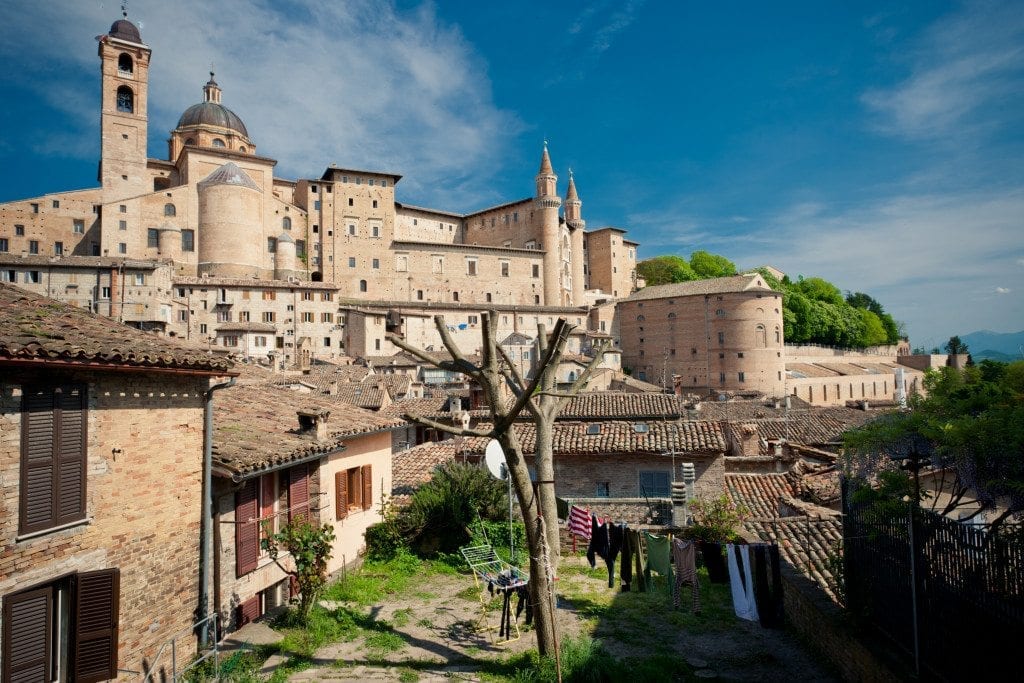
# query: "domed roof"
{"points": [[125, 30], [212, 114], [285, 237], [229, 174]]}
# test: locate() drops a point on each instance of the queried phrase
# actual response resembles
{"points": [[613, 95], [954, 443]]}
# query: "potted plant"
{"points": [[715, 523]]}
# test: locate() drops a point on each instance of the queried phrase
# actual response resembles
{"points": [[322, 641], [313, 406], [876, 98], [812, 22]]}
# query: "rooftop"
{"points": [[717, 285]]}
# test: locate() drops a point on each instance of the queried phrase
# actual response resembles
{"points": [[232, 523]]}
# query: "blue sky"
{"points": [[877, 145]]}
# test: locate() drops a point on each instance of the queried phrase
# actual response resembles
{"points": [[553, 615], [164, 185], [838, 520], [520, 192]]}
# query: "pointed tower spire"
{"points": [[545, 162], [573, 215], [570, 194], [546, 178]]}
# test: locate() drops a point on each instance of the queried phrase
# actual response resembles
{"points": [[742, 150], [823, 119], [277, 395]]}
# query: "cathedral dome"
{"points": [[212, 114], [125, 30]]}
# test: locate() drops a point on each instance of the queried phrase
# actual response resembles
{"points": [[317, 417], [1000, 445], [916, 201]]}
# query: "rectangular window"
{"points": [[33, 277], [742, 377], [4, 245], [19, 230], [376, 228], [153, 238], [376, 264], [307, 317], [603, 489], [307, 296], [401, 262], [721, 337], [352, 229], [470, 266], [300, 248], [316, 205], [721, 378], [327, 317], [259, 341], [8, 276], [230, 340], [122, 248], [183, 316], [351, 261], [58, 248], [104, 292], [437, 264], [123, 208], [223, 316], [536, 270], [243, 316], [268, 316], [78, 225], [353, 491], [33, 246], [271, 244], [504, 268], [269, 295], [35, 207], [53, 457], [188, 240], [655, 483], [140, 279]]}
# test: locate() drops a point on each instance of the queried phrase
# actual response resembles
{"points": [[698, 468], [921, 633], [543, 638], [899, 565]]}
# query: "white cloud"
{"points": [[359, 83], [1002, 290], [964, 72]]}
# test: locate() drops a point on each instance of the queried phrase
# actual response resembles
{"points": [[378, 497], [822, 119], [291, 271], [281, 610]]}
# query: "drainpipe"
{"points": [[206, 531]]}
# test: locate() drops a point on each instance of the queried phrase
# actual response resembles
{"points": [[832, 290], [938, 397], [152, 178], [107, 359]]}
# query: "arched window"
{"points": [[640, 318], [762, 338], [286, 223], [217, 142], [125, 100], [778, 335], [169, 210], [362, 285], [672, 315], [190, 142], [125, 64], [242, 149]]}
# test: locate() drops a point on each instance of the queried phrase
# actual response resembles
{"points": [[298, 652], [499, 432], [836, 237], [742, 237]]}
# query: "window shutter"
{"points": [[367, 476], [26, 635], [341, 494], [96, 614], [268, 492], [71, 454], [38, 471], [298, 492], [249, 610], [247, 536]]}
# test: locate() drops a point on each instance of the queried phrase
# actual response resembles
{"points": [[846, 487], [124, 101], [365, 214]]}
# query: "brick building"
{"points": [[101, 560]]}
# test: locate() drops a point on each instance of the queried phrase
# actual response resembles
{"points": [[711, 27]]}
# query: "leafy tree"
{"points": [[955, 346], [874, 332], [820, 290], [969, 426], [707, 265], [662, 270], [310, 548]]}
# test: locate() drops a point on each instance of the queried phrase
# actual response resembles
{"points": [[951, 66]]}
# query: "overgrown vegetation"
{"points": [[716, 520], [814, 310], [310, 547], [968, 427]]}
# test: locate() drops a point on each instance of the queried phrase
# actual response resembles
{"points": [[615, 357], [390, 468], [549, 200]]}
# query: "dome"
{"points": [[229, 174], [212, 114], [125, 30], [285, 237]]}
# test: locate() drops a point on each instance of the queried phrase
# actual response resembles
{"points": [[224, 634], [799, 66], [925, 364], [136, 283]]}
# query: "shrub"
{"points": [[310, 548], [716, 520], [384, 540]]}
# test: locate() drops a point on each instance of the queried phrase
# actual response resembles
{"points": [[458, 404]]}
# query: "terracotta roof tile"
{"points": [[256, 427], [718, 285], [34, 327]]}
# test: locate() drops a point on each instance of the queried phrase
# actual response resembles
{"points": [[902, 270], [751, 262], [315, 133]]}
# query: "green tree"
{"points": [[820, 290], [874, 332], [662, 270], [708, 265], [955, 346], [310, 547], [969, 427]]}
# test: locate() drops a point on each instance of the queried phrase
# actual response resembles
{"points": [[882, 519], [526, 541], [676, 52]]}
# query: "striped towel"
{"points": [[579, 522]]}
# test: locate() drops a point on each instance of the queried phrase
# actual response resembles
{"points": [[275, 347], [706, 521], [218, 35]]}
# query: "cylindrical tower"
{"points": [[547, 203], [170, 242], [230, 224], [574, 219], [284, 257]]}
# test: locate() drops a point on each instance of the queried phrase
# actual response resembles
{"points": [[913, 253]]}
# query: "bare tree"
{"points": [[540, 397]]}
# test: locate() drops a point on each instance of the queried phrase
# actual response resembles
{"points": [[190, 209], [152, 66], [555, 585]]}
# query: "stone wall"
{"points": [[580, 476], [143, 432]]}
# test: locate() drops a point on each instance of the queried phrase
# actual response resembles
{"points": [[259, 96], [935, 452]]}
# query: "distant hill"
{"points": [[989, 354], [983, 343]]}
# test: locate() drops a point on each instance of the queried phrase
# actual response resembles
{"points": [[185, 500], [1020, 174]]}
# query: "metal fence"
{"points": [[949, 595]]}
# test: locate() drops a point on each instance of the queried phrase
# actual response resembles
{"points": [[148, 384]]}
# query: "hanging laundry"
{"points": [[634, 561], [626, 566], [767, 584], [562, 508], [615, 539], [659, 557], [579, 522], [684, 554], [598, 541], [741, 582]]}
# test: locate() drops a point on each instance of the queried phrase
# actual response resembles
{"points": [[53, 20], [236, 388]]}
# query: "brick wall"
{"points": [[143, 433]]}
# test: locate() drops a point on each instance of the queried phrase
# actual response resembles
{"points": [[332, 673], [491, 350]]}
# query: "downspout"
{"points": [[206, 530]]}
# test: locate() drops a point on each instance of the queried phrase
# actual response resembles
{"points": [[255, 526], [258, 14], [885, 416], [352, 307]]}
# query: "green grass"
{"points": [[242, 666], [293, 666], [402, 617], [406, 675], [375, 580], [384, 642], [324, 626]]}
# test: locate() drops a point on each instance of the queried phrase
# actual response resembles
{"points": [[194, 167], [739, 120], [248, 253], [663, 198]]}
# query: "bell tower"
{"points": [[547, 203], [124, 69]]}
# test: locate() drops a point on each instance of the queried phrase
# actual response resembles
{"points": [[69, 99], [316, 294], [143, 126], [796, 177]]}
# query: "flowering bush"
{"points": [[716, 520]]}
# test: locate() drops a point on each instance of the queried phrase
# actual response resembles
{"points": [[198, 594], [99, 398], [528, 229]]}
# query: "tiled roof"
{"points": [[806, 543], [78, 261], [816, 426], [415, 466], [759, 492], [251, 283], [423, 407], [571, 438], [809, 370], [616, 404], [370, 397], [256, 427], [36, 328], [717, 285], [397, 384]]}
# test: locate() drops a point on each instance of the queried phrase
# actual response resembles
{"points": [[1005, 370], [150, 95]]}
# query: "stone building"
{"points": [[322, 457], [212, 216], [723, 334], [101, 563]]}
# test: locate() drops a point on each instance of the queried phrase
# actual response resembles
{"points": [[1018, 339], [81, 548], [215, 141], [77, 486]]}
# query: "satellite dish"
{"points": [[494, 458]]}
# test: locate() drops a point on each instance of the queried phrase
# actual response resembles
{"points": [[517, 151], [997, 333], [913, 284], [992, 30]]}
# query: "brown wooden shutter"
{"points": [[298, 492], [71, 453], [249, 610], [38, 470], [247, 535], [96, 614], [268, 494], [367, 476], [341, 494], [26, 635]]}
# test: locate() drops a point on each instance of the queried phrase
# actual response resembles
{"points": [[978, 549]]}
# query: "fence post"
{"points": [[913, 587]]}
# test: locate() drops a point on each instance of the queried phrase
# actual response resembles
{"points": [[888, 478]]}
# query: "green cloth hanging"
{"points": [[659, 557]]}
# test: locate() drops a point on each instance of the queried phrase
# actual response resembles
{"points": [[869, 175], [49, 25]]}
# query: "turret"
{"points": [[284, 257], [230, 224], [574, 220], [547, 204]]}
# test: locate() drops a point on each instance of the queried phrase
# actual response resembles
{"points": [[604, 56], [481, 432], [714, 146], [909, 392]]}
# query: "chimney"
{"points": [[682, 493], [745, 439], [332, 389], [314, 422]]}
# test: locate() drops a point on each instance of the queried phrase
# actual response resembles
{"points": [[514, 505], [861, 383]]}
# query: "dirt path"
{"points": [[432, 632]]}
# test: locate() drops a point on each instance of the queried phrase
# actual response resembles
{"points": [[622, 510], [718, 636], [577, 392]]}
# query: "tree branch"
{"points": [[450, 366], [448, 429], [449, 343], [512, 367], [531, 389]]}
